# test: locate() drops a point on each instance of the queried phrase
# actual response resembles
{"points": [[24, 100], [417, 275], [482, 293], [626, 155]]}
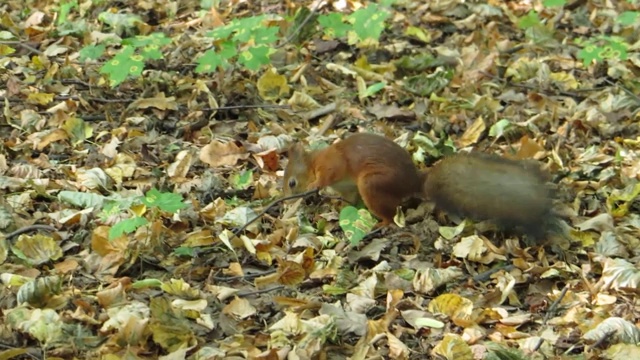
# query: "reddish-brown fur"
{"points": [[371, 166]]}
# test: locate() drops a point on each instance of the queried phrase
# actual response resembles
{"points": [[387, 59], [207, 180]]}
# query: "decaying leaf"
{"points": [[218, 153]]}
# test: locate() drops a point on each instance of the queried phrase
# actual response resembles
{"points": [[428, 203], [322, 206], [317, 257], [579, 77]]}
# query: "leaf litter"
{"points": [[83, 157]]}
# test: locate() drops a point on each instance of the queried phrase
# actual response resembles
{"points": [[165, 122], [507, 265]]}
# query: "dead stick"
{"points": [[29, 228], [274, 203]]}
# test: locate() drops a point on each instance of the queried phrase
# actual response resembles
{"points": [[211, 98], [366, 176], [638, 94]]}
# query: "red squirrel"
{"points": [[479, 186], [363, 165]]}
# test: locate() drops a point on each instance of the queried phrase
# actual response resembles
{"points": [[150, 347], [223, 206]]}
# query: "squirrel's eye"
{"points": [[292, 183]]}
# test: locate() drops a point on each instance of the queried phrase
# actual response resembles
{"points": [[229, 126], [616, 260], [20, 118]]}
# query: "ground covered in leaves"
{"points": [[123, 184]]}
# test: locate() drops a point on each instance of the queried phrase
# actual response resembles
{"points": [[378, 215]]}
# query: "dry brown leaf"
{"points": [[217, 154], [159, 102]]}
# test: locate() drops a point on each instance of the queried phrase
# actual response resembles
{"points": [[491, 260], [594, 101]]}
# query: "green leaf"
{"points": [[333, 25], [147, 283], [334, 290], [429, 322], [213, 60], [6, 35], [253, 58], [242, 180], [590, 54], [628, 18], [368, 23], [615, 49], [499, 128], [373, 89], [157, 39], [165, 201], [356, 223], [223, 32], [126, 226], [554, 3], [267, 36], [77, 129], [65, 9], [529, 20], [449, 232], [247, 28], [123, 65], [37, 249], [92, 52], [151, 52], [620, 200], [185, 251]]}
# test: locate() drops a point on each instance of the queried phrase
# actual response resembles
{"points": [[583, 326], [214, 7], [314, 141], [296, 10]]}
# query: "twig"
{"points": [[551, 310], [274, 203], [259, 106], [573, 94], [294, 33], [487, 274], [30, 48], [257, 292], [555, 304], [623, 89], [243, 277], [30, 228]]}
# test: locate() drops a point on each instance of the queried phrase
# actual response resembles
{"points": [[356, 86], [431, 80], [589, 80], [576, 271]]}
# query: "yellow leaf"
{"points": [[453, 347], [272, 86], [40, 98]]}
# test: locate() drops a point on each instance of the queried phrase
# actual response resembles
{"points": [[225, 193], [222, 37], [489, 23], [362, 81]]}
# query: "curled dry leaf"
{"points": [[217, 154], [451, 305], [348, 322], [453, 347], [45, 325], [616, 330], [239, 308], [397, 349], [180, 167], [92, 178], [619, 273], [470, 247], [37, 249], [427, 280], [158, 102]]}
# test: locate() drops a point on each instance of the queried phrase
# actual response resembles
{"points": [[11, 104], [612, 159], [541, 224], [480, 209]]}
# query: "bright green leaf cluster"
{"points": [[123, 65], [248, 41], [602, 47], [333, 24], [163, 201], [368, 22], [237, 33], [130, 61], [364, 24]]}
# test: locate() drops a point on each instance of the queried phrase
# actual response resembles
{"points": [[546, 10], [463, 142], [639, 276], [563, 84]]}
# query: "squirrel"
{"points": [[511, 193], [480, 186], [364, 165]]}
